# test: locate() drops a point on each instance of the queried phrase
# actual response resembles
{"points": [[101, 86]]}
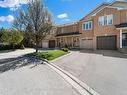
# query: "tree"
{"points": [[28, 37], [28, 40], [12, 37], [4, 35], [37, 17], [1, 32], [15, 37]]}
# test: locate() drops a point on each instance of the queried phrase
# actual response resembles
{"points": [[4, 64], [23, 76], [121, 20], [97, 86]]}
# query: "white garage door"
{"points": [[86, 43], [45, 44]]}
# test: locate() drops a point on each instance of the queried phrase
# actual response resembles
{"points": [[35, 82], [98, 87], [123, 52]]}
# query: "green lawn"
{"points": [[50, 55]]}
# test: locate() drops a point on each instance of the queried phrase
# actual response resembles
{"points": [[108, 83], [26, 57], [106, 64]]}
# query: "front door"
{"points": [[124, 39]]}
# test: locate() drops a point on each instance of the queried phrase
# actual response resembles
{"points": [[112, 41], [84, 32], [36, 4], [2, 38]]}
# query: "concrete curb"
{"points": [[75, 86], [80, 86]]}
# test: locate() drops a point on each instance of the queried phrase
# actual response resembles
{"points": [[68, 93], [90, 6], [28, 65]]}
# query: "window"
{"points": [[87, 25], [101, 21], [124, 39], [105, 20], [110, 19]]}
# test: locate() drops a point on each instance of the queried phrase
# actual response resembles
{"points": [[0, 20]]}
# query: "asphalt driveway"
{"points": [[104, 71], [29, 77]]}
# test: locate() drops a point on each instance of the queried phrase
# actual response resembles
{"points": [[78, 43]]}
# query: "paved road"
{"points": [[31, 79], [16, 53], [104, 71]]}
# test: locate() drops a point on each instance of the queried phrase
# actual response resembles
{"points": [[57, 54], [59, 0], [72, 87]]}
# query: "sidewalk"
{"points": [[16, 53]]}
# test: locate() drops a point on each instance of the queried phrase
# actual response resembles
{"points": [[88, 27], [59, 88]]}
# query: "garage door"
{"points": [[86, 44], [106, 42], [45, 44], [52, 44]]}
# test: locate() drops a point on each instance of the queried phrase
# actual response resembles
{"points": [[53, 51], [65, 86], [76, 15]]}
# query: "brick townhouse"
{"points": [[103, 28]]}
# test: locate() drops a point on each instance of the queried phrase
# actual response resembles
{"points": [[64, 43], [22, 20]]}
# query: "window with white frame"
{"points": [[87, 25], [109, 19], [101, 20], [105, 20]]}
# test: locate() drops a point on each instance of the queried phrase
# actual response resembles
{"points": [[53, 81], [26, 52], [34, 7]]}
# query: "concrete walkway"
{"points": [[30, 79], [104, 71], [16, 53]]}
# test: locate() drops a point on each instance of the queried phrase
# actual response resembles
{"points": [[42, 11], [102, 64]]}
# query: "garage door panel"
{"points": [[106, 42], [45, 45], [86, 44], [52, 44]]}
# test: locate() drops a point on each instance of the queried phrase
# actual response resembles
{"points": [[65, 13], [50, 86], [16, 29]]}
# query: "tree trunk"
{"points": [[37, 43]]}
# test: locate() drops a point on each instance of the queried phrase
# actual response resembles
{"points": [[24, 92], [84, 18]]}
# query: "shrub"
{"points": [[19, 46], [65, 49], [5, 47], [9, 47]]}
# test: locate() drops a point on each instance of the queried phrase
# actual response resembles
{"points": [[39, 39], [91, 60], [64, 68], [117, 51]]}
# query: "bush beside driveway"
{"points": [[104, 71]]}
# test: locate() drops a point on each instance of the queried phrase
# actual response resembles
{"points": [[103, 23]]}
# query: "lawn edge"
{"points": [[61, 57], [66, 53]]}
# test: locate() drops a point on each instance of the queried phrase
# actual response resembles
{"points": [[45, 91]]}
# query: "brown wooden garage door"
{"points": [[52, 44], [106, 42]]}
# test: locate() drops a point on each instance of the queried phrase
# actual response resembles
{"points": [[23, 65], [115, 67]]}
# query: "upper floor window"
{"points": [[87, 25], [110, 19], [105, 20]]}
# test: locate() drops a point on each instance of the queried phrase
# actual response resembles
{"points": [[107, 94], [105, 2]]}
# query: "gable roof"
{"points": [[95, 10], [104, 5]]}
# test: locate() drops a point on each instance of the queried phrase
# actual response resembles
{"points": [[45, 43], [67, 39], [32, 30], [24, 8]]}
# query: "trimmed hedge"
{"points": [[65, 49], [5, 47]]}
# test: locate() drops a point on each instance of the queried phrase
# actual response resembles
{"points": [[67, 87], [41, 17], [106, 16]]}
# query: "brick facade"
{"points": [[68, 36], [119, 16], [74, 36]]}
